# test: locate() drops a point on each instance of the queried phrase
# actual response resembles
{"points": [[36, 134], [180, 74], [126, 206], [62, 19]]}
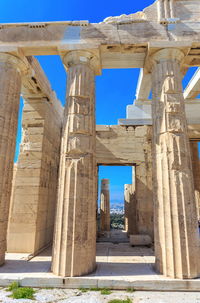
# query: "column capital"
{"points": [[82, 57], [166, 54], [16, 62]]}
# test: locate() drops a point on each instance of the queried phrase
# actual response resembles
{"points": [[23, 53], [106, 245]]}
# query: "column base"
{"points": [[158, 268], [76, 274]]}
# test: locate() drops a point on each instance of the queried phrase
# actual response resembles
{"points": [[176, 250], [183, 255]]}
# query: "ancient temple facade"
{"points": [[49, 195]]}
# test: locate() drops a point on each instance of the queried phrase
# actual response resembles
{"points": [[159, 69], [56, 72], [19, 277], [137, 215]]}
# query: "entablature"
{"points": [[123, 41]]}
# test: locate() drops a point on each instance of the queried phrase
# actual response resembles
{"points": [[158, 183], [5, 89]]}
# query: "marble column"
{"points": [[10, 87], [105, 206], [130, 207], [176, 230], [196, 173], [74, 249], [127, 188]]}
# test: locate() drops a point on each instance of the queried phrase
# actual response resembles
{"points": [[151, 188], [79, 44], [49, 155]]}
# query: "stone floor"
{"points": [[124, 262], [116, 260], [119, 266], [114, 236]]}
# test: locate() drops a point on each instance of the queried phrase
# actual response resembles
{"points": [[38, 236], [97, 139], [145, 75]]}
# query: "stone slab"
{"points": [[138, 240], [83, 282], [118, 267], [117, 144]]}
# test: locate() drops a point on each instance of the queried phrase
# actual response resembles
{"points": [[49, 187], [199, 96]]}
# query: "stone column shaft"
{"points": [[10, 88], [105, 205], [74, 251], [176, 231], [196, 173], [130, 221]]}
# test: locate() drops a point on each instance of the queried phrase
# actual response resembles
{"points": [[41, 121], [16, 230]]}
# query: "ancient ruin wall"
{"points": [[34, 192]]}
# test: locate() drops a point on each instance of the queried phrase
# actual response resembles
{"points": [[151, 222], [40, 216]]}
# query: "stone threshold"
{"points": [[43, 281]]}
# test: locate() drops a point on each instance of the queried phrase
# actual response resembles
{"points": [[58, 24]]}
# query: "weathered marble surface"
{"points": [[176, 230], [34, 196], [117, 144], [105, 206], [74, 250]]}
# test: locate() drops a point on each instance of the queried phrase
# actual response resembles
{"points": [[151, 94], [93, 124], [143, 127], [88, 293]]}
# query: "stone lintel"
{"points": [[158, 45]]}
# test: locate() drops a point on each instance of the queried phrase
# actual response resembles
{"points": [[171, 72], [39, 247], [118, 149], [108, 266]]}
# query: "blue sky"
{"points": [[114, 88]]}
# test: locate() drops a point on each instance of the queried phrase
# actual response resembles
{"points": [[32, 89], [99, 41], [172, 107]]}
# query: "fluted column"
{"points": [[105, 205], [196, 173], [10, 87], [74, 250], [176, 231], [127, 190]]}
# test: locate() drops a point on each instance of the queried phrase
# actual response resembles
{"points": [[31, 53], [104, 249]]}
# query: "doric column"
{"points": [[196, 173], [176, 231], [74, 250], [130, 221], [10, 87], [105, 206], [127, 190]]}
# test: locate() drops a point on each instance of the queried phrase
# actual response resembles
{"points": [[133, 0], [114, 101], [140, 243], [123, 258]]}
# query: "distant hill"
{"points": [[118, 203]]}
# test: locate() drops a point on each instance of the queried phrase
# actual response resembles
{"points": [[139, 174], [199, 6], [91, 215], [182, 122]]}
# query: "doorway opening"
{"points": [[115, 254], [112, 181]]}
